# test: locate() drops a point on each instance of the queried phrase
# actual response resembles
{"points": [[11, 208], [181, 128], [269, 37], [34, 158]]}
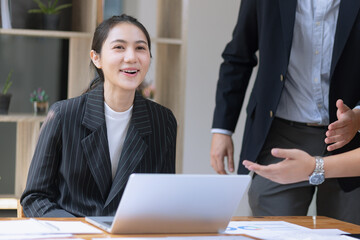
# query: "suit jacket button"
{"points": [[281, 77], [271, 114]]}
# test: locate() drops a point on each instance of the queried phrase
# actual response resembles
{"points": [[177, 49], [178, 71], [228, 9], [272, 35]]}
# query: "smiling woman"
{"points": [[124, 61], [89, 145]]}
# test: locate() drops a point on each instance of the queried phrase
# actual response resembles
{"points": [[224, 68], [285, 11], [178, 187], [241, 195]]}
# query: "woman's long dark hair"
{"points": [[100, 35]]}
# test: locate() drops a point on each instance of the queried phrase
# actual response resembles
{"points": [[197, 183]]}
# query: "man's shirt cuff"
{"points": [[222, 131], [357, 107]]}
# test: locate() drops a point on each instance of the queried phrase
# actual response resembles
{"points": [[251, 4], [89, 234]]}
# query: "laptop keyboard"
{"points": [[108, 223]]}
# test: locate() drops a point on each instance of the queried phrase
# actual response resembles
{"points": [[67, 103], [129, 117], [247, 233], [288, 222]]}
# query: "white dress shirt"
{"points": [[305, 97]]}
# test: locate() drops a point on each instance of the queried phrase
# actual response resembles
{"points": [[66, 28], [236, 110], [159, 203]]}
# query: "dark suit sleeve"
{"points": [[39, 197], [171, 134], [235, 71]]}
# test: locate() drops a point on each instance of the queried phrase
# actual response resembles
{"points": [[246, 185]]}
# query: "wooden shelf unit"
{"points": [[84, 16], [172, 41], [45, 33], [27, 132], [8, 203], [83, 25], [170, 59]]}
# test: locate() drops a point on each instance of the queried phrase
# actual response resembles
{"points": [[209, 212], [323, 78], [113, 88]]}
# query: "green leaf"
{"points": [[54, 4], [57, 9], [41, 5], [50, 8], [35, 11], [8, 83]]}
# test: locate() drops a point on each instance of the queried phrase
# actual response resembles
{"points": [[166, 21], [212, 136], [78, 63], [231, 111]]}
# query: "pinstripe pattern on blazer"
{"points": [[70, 173]]}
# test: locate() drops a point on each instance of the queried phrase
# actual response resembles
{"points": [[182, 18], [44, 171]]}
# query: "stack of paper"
{"points": [[32, 228], [280, 230]]}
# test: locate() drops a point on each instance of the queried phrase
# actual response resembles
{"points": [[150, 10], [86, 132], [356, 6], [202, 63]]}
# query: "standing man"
{"points": [[309, 57]]}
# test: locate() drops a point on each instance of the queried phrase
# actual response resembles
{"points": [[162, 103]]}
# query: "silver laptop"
{"points": [[175, 203]]}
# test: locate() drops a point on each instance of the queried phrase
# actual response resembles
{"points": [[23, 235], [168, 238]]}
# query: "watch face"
{"points": [[316, 178]]}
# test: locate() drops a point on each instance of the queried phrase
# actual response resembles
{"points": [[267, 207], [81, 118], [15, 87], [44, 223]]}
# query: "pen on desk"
{"points": [[46, 224], [51, 226], [314, 220]]}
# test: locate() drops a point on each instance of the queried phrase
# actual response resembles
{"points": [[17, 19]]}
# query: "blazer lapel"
{"points": [[347, 14], [95, 145], [134, 146], [287, 13]]}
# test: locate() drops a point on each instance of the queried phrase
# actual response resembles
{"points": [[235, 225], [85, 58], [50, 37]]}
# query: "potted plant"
{"points": [[147, 90], [40, 100], [50, 12], [5, 96]]}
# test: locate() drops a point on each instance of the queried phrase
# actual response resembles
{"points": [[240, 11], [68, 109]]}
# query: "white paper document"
{"points": [[184, 238], [74, 227], [279, 230], [41, 227], [302, 235], [239, 227], [34, 236]]}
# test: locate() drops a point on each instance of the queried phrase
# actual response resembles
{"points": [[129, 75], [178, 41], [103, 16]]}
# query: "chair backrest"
{"points": [[20, 212]]}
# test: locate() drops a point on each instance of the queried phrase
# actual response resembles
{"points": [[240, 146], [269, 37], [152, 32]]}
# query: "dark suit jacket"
{"points": [[70, 174], [267, 26]]}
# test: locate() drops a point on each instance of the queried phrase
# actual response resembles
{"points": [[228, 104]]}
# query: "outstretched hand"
{"points": [[296, 167], [344, 129]]}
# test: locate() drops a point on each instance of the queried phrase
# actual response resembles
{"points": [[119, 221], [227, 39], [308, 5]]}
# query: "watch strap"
{"points": [[319, 165]]}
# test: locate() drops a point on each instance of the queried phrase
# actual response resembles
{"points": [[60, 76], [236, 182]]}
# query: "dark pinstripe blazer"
{"points": [[70, 173]]}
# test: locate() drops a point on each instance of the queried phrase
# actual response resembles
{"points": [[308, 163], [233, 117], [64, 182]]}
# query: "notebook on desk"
{"points": [[175, 203]]}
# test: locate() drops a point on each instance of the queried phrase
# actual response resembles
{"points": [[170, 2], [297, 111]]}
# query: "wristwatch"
{"points": [[318, 176]]}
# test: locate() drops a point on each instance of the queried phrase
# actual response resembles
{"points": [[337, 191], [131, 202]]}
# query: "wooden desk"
{"points": [[321, 223]]}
